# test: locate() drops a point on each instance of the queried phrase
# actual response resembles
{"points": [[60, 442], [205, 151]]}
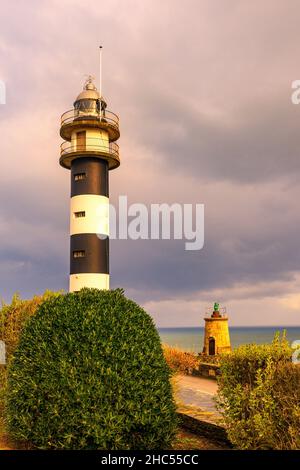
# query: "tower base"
{"points": [[216, 336]]}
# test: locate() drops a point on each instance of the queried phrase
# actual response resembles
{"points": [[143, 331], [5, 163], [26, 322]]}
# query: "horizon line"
{"points": [[236, 326]]}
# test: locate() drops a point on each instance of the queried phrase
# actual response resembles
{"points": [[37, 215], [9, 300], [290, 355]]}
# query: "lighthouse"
{"points": [[89, 150], [216, 334]]}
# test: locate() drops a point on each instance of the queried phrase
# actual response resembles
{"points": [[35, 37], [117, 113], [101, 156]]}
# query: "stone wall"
{"points": [[207, 370]]}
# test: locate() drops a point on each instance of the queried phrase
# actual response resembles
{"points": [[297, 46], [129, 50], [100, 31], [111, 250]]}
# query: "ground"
{"points": [[199, 383], [198, 392], [186, 440]]}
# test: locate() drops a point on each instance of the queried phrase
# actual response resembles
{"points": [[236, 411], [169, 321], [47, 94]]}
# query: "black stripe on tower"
{"points": [[89, 254], [89, 175]]}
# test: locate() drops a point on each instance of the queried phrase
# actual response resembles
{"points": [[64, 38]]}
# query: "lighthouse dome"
{"points": [[89, 98]]}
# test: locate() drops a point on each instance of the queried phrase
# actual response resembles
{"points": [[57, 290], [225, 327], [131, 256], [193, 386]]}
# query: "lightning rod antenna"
{"points": [[100, 79]]}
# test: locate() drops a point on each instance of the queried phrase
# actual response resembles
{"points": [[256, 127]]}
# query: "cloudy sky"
{"points": [[203, 91]]}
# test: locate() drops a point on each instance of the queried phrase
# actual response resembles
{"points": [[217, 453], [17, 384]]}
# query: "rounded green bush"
{"points": [[89, 373]]}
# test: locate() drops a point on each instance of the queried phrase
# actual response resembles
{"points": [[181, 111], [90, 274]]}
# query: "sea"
{"points": [[191, 338]]}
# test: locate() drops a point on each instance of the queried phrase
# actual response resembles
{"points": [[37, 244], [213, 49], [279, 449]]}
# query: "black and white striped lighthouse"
{"points": [[89, 150]]}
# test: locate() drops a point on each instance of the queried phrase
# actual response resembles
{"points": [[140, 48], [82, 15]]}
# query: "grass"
{"points": [[179, 360]]}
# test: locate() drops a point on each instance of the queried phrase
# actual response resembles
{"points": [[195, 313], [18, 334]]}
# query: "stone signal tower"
{"points": [[89, 151], [216, 337]]}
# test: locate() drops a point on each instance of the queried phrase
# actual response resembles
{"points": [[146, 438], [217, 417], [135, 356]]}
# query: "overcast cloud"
{"points": [[203, 91]]}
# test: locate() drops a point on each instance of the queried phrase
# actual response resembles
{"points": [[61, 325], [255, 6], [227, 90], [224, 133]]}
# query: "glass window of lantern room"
{"points": [[81, 140], [85, 105]]}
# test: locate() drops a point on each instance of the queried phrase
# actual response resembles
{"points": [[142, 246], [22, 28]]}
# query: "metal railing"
{"points": [[74, 115], [210, 312], [91, 145], [221, 310]]}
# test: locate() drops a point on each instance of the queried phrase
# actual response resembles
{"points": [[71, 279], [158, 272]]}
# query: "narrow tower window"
{"points": [[79, 214], [211, 346], [79, 254], [79, 176], [81, 140]]}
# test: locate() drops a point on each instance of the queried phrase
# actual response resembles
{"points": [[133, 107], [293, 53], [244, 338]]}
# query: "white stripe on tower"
{"points": [[91, 280], [89, 214]]}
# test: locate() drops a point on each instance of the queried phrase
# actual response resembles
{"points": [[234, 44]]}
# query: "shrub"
{"points": [[180, 361], [13, 317], [89, 372], [259, 396]]}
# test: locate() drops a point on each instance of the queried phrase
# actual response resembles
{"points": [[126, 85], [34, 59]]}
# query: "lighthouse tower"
{"points": [[89, 150], [216, 335]]}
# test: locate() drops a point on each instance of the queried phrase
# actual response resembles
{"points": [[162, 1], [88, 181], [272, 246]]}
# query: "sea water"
{"points": [[191, 338]]}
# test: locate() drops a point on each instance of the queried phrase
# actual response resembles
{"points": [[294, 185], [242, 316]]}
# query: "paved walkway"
{"points": [[197, 391]]}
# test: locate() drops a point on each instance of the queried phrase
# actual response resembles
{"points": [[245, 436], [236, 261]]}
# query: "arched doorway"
{"points": [[211, 346]]}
